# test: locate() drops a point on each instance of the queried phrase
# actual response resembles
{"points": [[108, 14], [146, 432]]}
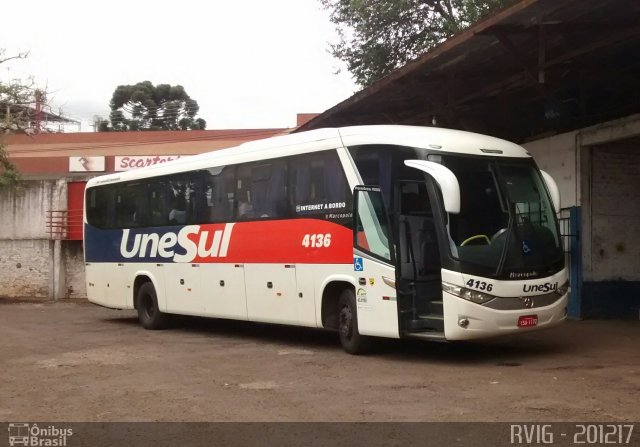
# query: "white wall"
{"points": [[31, 265], [615, 211], [601, 176], [73, 258], [557, 156], [23, 210], [25, 268]]}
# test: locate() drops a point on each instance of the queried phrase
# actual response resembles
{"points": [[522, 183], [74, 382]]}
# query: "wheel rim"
{"points": [[346, 322], [147, 306]]}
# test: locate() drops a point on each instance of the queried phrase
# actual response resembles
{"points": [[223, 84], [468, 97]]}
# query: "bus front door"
{"points": [[373, 265], [418, 259]]}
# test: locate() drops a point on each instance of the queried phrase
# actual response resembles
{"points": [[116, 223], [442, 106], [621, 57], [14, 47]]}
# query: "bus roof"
{"points": [[433, 138]]}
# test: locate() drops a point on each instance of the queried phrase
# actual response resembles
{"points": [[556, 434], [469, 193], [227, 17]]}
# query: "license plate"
{"points": [[528, 321]]}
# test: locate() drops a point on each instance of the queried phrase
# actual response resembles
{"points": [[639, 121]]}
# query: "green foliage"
{"points": [[378, 36], [16, 96], [9, 175], [144, 106]]}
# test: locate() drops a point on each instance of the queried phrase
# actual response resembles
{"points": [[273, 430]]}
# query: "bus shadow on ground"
{"points": [[507, 351]]}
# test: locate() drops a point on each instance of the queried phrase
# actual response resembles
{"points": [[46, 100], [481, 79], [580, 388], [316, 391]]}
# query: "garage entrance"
{"points": [[613, 284]]}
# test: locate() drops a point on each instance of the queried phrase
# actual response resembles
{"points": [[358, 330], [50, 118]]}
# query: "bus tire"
{"points": [[149, 314], [350, 338]]}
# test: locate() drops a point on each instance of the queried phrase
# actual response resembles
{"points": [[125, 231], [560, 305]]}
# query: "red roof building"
{"points": [[56, 154]]}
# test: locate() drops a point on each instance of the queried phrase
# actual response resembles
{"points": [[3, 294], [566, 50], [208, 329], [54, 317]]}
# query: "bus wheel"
{"points": [[149, 314], [350, 338]]}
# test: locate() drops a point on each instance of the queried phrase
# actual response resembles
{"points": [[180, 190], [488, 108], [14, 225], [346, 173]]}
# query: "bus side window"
{"points": [[195, 201], [262, 190], [101, 206], [199, 203], [178, 213], [270, 193], [178, 199], [158, 201], [318, 187], [131, 205], [244, 207], [220, 185]]}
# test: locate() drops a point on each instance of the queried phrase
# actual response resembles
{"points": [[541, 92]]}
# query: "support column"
{"points": [[60, 290], [575, 269], [52, 268]]}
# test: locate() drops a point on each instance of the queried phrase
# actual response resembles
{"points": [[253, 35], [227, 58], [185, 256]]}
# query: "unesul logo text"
{"points": [[192, 240], [546, 287]]}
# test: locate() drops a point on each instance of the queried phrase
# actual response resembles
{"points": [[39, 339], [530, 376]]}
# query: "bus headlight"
{"points": [[467, 294]]}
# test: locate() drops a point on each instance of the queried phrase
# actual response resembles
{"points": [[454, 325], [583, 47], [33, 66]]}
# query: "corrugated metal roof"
{"points": [[488, 78]]}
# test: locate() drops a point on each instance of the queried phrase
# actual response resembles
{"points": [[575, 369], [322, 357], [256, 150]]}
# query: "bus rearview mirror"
{"points": [[445, 178]]}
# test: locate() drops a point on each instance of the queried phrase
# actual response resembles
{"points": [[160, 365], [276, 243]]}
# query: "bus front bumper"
{"points": [[465, 320]]}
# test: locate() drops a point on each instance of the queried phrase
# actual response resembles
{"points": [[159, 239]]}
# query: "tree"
{"points": [[376, 37], [144, 106], [17, 97]]}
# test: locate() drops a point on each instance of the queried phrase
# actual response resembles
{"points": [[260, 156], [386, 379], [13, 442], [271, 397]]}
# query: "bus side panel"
{"points": [[307, 297], [107, 285], [125, 285], [95, 283], [183, 288], [223, 290], [271, 293], [116, 284], [272, 253]]}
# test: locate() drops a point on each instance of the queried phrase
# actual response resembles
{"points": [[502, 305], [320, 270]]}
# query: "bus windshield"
{"points": [[506, 222]]}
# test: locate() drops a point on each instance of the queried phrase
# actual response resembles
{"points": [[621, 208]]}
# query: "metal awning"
{"points": [[534, 68]]}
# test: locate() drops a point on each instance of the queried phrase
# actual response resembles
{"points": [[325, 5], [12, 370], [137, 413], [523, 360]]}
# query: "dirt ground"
{"points": [[72, 361]]}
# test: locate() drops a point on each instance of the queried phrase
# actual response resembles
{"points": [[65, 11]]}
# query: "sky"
{"points": [[248, 63]]}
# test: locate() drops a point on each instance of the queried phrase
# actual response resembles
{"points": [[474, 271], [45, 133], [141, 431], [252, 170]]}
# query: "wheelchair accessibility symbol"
{"points": [[358, 264], [525, 248]]}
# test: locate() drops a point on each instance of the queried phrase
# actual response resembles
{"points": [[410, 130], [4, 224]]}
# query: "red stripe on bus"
{"points": [[301, 241]]}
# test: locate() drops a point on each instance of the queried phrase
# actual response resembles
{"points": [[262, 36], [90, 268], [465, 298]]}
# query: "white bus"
{"points": [[371, 231]]}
